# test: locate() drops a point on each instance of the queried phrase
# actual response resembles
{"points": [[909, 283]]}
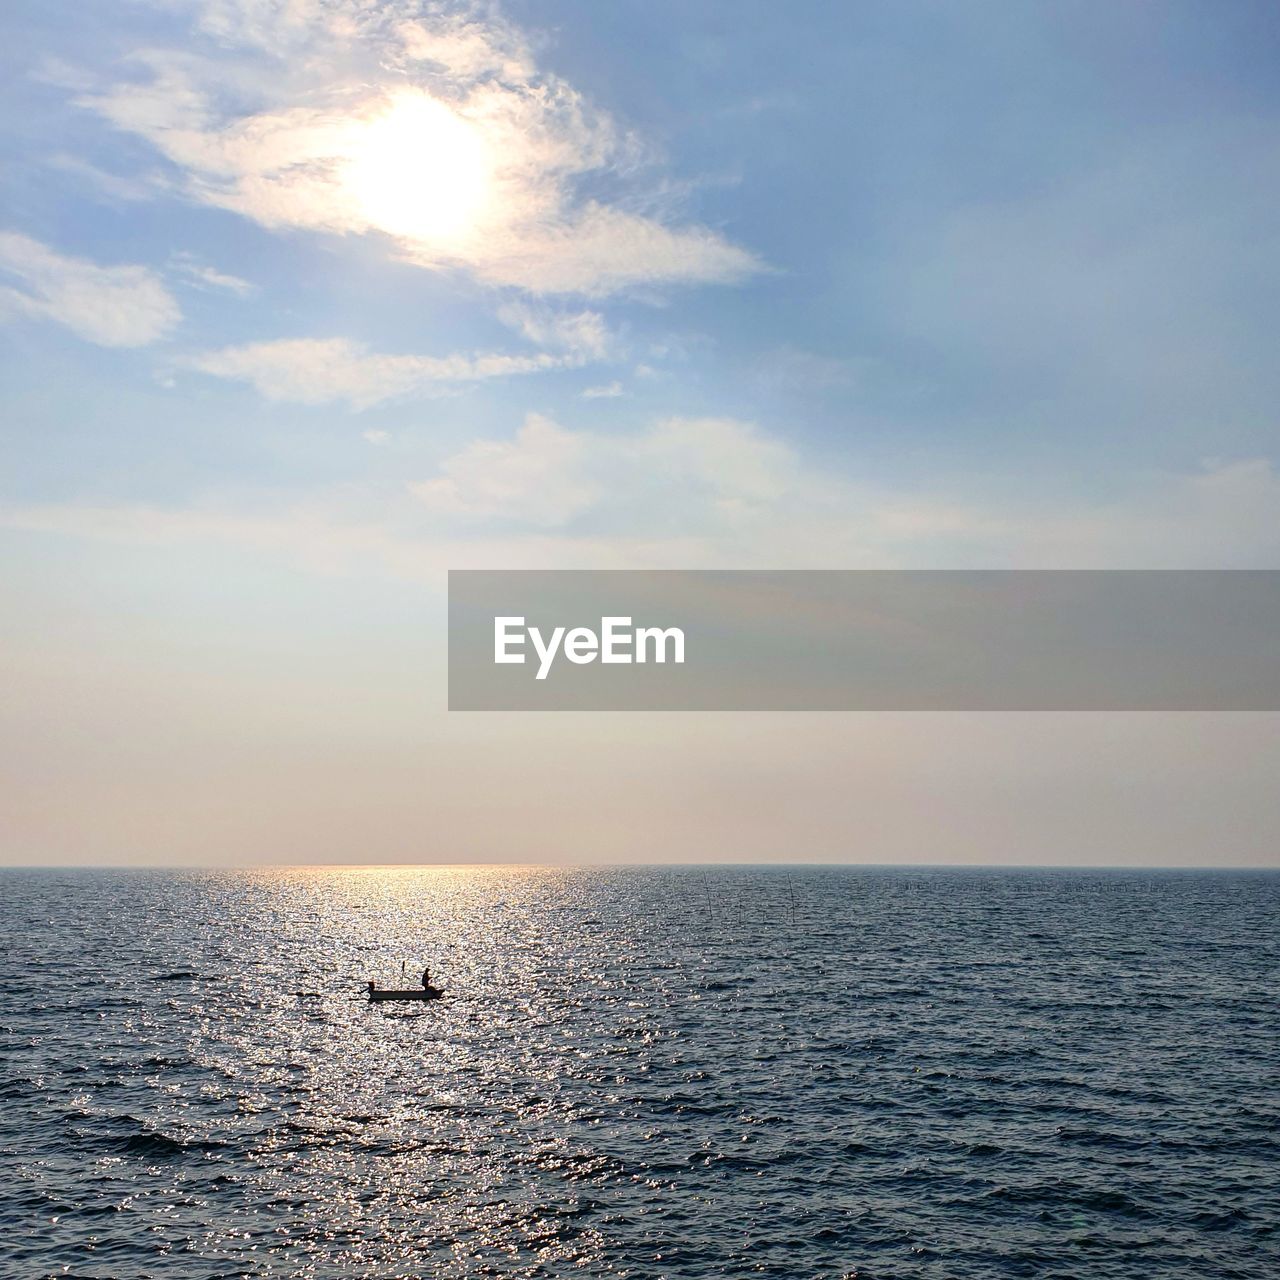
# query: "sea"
{"points": [[635, 1072]]}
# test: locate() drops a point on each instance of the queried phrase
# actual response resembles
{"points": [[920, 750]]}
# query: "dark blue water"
{"points": [[641, 1073]]}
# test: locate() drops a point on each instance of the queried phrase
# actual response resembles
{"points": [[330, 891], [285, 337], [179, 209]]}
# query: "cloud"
{"points": [[552, 498], [1226, 514], [661, 498], [679, 492], [202, 276], [115, 189], [610, 391], [120, 306], [682, 479], [582, 332], [324, 370], [544, 477], [689, 492], [438, 132], [792, 368], [598, 250]]}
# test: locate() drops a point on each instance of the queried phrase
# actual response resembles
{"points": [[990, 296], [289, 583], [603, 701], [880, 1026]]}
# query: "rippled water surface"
{"points": [[640, 1072]]}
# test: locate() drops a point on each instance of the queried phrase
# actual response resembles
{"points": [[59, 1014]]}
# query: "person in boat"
{"points": [[426, 978], [371, 987]]}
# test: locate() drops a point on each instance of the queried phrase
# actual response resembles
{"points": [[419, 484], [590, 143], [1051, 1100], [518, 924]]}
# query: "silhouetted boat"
{"points": [[410, 993]]}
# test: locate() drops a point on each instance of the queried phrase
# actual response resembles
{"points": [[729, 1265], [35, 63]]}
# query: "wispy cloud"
{"points": [[327, 370], [793, 368], [111, 186], [544, 477], [682, 477], [553, 499], [439, 132], [697, 491], [582, 332], [113, 306], [609, 391], [202, 276]]}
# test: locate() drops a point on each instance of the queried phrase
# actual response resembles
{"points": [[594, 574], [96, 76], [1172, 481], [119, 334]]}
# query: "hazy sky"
{"points": [[302, 303]]}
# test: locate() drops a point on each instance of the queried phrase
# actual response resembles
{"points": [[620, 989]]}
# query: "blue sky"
{"points": [[301, 304]]}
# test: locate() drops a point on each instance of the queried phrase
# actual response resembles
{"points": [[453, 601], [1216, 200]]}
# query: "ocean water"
{"points": [[640, 1073]]}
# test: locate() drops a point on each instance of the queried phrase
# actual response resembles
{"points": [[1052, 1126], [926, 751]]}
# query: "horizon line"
{"points": [[595, 866]]}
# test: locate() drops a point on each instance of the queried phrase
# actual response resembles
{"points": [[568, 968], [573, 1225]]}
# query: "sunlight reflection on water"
{"points": [[640, 1072]]}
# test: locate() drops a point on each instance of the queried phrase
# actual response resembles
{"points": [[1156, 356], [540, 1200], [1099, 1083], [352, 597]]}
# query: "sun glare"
{"points": [[420, 170]]}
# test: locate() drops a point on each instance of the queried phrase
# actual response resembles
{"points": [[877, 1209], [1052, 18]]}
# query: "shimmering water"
{"points": [[641, 1072]]}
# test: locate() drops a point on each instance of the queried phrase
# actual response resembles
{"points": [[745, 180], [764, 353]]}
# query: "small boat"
{"points": [[411, 993]]}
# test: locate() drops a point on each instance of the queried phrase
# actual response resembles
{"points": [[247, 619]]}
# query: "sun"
{"points": [[420, 171]]}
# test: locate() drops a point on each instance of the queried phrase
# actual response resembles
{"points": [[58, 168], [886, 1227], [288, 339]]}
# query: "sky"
{"points": [[303, 303]]}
